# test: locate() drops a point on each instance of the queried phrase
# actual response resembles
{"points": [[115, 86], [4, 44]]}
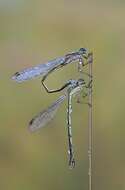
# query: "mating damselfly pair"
{"points": [[73, 87]]}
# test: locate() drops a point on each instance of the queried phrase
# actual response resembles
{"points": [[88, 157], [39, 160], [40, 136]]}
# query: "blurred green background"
{"points": [[32, 32]]}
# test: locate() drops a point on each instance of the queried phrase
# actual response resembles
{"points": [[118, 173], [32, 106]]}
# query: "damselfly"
{"points": [[74, 87], [46, 68]]}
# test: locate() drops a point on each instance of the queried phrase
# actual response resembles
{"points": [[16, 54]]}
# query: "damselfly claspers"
{"points": [[74, 87], [46, 68]]}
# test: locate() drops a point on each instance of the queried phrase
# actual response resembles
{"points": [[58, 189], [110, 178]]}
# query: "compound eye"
{"points": [[81, 81], [82, 50]]}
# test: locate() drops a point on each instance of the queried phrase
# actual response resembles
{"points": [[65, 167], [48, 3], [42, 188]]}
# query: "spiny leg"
{"points": [[80, 64], [82, 102], [89, 85]]}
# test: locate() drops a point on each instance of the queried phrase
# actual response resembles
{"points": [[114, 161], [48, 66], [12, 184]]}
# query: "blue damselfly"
{"points": [[74, 87], [46, 68]]}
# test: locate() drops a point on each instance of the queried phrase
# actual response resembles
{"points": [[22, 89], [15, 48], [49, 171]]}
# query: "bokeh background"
{"points": [[32, 32]]}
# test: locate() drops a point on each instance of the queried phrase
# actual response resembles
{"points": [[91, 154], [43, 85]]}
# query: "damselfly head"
{"points": [[82, 51], [81, 81]]}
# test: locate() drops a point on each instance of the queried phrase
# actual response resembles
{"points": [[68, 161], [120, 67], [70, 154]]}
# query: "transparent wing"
{"points": [[41, 69], [45, 116]]}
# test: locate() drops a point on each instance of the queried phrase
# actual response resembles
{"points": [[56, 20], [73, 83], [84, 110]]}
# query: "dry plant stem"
{"points": [[90, 125]]}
